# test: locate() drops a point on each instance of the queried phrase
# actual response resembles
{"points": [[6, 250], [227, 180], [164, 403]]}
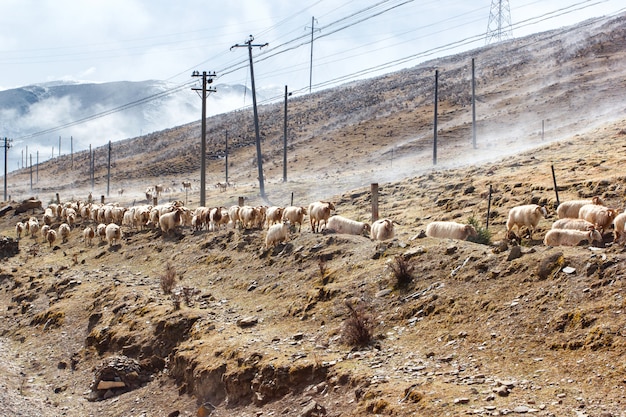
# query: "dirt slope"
{"points": [[481, 329]]}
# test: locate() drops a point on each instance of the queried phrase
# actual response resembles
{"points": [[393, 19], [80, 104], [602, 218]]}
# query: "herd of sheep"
{"points": [[579, 221]]}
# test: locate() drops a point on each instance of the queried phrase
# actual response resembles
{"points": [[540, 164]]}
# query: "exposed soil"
{"points": [[479, 330]]}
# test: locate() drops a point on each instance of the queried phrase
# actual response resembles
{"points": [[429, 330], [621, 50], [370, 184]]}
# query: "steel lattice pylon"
{"points": [[499, 26]]}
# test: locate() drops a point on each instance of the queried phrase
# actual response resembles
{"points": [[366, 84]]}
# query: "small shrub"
{"points": [[357, 329], [402, 271], [188, 293], [168, 279], [484, 235], [321, 262]]}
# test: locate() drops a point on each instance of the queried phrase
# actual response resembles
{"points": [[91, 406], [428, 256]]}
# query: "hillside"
{"points": [[480, 330]]}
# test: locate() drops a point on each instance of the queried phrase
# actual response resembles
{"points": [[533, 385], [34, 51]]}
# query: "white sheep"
{"points": [[344, 225], [382, 229], [64, 232], [274, 215], [44, 232], [573, 224], [568, 237], [215, 218], [169, 221], [250, 216], [526, 215], [319, 211], [569, 209], [618, 225], [101, 231], [88, 235], [51, 236], [601, 217], [295, 215], [450, 230], [19, 229], [113, 234], [33, 226], [48, 216], [277, 233], [233, 214]]}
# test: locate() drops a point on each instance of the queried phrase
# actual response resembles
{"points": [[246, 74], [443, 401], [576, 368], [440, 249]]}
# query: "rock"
{"points": [[105, 385], [503, 391], [247, 321], [383, 293], [451, 250], [414, 252], [515, 253], [521, 409], [312, 409], [463, 400]]}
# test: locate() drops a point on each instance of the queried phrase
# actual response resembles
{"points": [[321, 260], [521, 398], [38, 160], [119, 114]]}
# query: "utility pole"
{"points": [[473, 105], [435, 119], [226, 158], [499, 25], [37, 170], [109, 169], [7, 145], [285, 139], [259, 155], [206, 79], [311, 63]]}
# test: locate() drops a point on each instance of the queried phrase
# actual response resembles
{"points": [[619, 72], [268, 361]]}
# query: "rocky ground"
{"points": [[480, 329]]}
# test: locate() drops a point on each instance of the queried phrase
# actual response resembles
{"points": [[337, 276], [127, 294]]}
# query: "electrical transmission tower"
{"points": [[499, 26]]}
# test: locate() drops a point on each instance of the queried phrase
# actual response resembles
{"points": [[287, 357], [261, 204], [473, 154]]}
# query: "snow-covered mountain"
{"points": [[40, 117]]}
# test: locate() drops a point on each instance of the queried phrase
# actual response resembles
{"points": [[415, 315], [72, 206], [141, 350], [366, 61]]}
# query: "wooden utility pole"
{"points": [[226, 158], [311, 61], [206, 79], [285, 139], [259, 155], [109, 169], [473, 105], [7, 145], [435, 121]]}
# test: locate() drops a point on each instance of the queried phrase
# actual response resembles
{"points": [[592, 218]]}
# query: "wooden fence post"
{"points": [[374, 202]]}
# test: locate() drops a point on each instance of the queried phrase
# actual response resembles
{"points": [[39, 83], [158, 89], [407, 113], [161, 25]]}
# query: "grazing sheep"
{"points": [[527, 215], [274, 215], [169, 221], [64, 232], [568, 237], [224, 220], [319, 211], [215, 217], [250, 216], [573, 224], [601, 217], [344, 225], [19, 229], [33, 226], [51, 236], [48, 216], [569, 209], [382, 229], [101, 231], [88, 235], [277, 233], [233, 214], [295, 215], [187, 185], [450, 230], [44, 232], [113, 234], [618, 224]]}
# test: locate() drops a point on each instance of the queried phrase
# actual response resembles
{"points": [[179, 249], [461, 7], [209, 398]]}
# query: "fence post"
{"points": [[374, 202], [240, 201], [488, 208], [556, 189]]}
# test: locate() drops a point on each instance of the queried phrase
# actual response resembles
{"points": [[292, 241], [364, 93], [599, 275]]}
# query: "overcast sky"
{"points": [[134, 40]]}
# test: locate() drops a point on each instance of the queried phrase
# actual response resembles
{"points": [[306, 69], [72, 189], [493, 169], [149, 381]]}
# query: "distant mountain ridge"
{"points": [[148, 106]]}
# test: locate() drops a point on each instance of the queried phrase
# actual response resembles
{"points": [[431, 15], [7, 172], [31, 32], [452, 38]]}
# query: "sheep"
{"points": [[382, 229], [347, 226], [295, 215], [569, 209], [601, 217], [44, 232], [568, 237], [250, 216], [618, 224], [169, 221], [215, 217], [88, 235], [319, 211], [273, 215], [19, 229], [48, 216], [101, 231], [113, 234], [224, 220], [33, 226], [187, 185], [51, 236], [450, 230], [277, 233], [233, 214], [573, 224], [64, 232], [527, 215]]}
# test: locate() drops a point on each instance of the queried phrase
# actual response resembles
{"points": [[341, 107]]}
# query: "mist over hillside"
{"points": [[85, 114]]}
